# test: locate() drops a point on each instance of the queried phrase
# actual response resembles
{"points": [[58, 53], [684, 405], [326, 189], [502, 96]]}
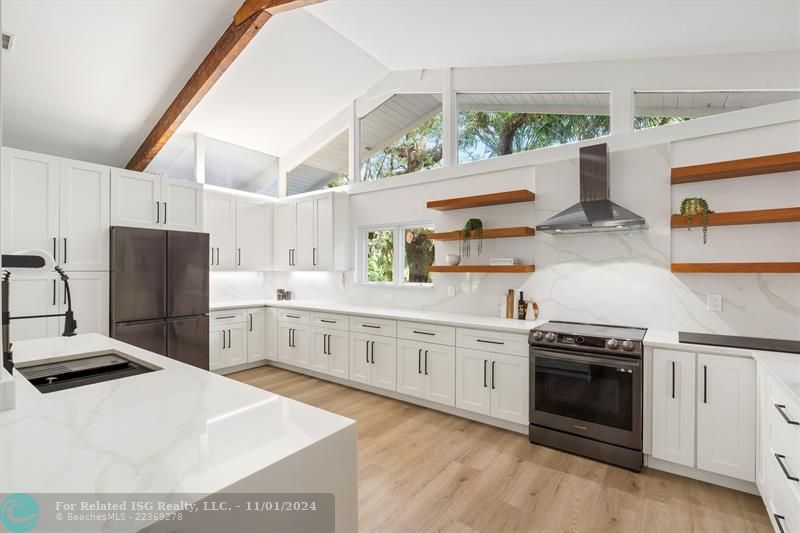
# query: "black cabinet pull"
{"points": [[251, 321], [419, 361], [426, 362], [370, 326], [373, 352], [223, 339], [54, 292], [158, 212], [65, 250], [778, 520], [490, 342], [485, 363], [314, 256], [705, 384], [673, 379], [780, 409], [423, 333], [292, 316], [226, 316], [239, 259], [366, 345], [55, 252], [165, 212], [493, 374], [329, 343], [327, 321], [786, 473]]}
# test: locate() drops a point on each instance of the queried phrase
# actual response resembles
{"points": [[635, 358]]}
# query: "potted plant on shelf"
{"points": [[693, 206], [473, 229]]}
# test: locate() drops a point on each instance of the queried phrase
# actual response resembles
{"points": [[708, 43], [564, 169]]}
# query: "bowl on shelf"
{"points": [[453, 259]]}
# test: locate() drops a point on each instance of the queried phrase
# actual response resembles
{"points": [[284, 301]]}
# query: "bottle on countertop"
{"points": [[521, 307], [510, 303]]}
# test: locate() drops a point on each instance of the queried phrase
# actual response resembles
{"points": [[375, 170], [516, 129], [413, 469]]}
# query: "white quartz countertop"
{"points": [[175, 430], [507, 325], [784, 367]]}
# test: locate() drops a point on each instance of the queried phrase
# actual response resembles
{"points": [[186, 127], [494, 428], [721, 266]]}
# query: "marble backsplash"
{"points": [[615, 278]]}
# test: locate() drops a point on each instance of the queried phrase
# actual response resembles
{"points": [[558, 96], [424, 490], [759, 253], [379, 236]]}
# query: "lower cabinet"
{"points": [[293, 344], [256, 334], [492, 384], [227, 345], [426, 370], [272, 333], [704, 412], [330, 351], [373, 360]]}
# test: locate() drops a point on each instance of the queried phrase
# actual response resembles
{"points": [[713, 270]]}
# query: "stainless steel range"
{"points": [[586, 390]]}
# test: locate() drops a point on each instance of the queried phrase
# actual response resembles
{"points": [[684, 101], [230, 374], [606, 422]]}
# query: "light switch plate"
{"points": [[714, 302], [451, 290]]}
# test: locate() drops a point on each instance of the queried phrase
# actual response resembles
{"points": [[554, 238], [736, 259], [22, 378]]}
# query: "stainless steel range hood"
{"points": [[595, 211]]}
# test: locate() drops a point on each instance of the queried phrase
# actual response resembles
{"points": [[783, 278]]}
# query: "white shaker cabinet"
{"points": [[305, 244], [182, 202], [272, 333], [674, 406], [726, 410], [494, 384], [84, 216], [227, 339], [239, 231], [285, 235], [220, 224], [89, 291], [426, 370], [256, 334], [373, 360], [330, 350], [293, 344], [144, 200]]}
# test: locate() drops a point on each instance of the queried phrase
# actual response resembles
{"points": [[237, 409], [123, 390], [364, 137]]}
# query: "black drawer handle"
{"points": [[292, 316], [424, 333], [328, 321], [786, 473], [223, 317], [484, 373], [490, 342], [370, 326], [780, 409], [778, 520]]}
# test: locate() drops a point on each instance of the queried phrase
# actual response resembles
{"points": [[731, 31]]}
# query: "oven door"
{"points": [[594, 396]]}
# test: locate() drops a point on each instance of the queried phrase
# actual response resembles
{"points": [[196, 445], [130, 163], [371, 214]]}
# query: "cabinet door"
{"points": [[236, 353], [318, 357], [439, 367], [253, 231], [673, 406], [285, 350], [302, 345], [360, 366], [34, 296], [182, 205], [323, 232], [29, 202], [272, 333], [508, 382], [383, 355], [217, 344], [84, 216], [338, 353], [472, 380], [220, 224], [304, 249], [256, 334], [410, 376], [285, 234], [89, 291], [135, 199], [726, 415]]}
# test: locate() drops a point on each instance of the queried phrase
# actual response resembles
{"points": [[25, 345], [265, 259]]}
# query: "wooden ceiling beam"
{"points": [[248, 20]]}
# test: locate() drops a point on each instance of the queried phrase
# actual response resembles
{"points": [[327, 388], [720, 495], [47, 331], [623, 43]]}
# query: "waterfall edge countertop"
{"points": [[784, 367], [174, 430], [459, 320]]}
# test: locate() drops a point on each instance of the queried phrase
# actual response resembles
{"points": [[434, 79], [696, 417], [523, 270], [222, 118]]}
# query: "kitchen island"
{"points": [[176, 431]]}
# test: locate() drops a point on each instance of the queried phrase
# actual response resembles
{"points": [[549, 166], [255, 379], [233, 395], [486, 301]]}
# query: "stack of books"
{"points": [[504, 261]]}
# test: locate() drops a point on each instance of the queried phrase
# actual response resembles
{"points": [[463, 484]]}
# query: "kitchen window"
{"points": [[660, 108], [401, 136], [498, 124], [398, 255]]}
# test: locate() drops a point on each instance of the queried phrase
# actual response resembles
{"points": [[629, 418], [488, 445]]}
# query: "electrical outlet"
{"points": [[451, 290], [388, 298], [714, 302]]}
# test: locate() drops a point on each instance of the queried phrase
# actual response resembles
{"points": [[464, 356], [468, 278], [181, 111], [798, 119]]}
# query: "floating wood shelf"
{"points": [[500, 269], [499, 198], [733, 268], [752, 166], [734, 218], [497, 233]]}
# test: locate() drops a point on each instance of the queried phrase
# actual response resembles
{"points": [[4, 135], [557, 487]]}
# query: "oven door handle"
{"points": [[603, 361]]}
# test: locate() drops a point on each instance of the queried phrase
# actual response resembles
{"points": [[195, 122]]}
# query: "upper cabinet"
{"points": [[240, 232], [312, 233], [145, 200], [58, 205]]}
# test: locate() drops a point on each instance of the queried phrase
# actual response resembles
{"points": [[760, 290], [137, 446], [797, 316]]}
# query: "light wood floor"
{"points": [[422, 470]]}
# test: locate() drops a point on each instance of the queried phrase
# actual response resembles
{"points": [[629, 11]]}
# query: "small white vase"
{"points": [[453, 259]]}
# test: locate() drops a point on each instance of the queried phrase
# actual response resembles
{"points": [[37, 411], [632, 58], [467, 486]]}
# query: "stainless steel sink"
{"points": [[77, 372]]}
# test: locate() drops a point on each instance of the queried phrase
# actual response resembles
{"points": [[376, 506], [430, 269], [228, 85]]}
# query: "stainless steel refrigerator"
{"points": [[159, 292]]}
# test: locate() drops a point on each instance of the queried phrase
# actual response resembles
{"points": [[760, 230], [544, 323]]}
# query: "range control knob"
{"points": [[627, 346], [550, 337], [538, 335], [612, 344]]}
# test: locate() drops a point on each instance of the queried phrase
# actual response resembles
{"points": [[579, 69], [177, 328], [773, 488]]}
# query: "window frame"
{"points": [[398, 254]]}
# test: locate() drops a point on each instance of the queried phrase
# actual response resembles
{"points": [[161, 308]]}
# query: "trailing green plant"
{"points": [[473, 225], [694, 205]]}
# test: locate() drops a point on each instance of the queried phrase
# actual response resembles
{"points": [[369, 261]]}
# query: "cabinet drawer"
{"points": [[781, 495], [293, 315], [492, 341], [419, 331], [373, 326], [330, 321], [227, 317]]}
